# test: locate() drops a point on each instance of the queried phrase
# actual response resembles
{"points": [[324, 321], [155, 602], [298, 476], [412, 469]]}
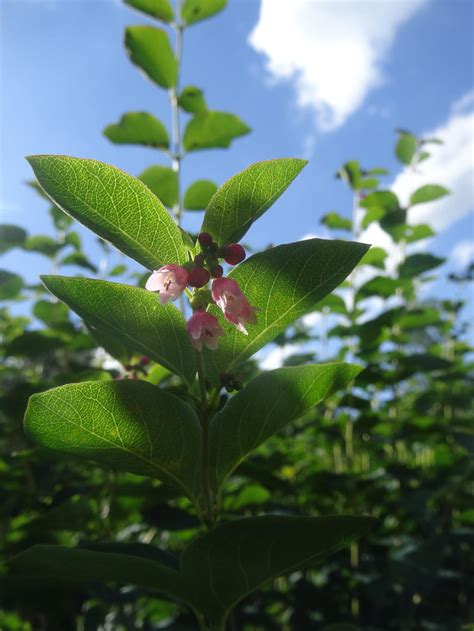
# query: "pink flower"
{"points": [[236, 308], [204, 327], [169, 280]]}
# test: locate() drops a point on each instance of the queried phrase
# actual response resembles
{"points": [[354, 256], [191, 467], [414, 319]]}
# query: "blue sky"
{"points": [[328, 81]]}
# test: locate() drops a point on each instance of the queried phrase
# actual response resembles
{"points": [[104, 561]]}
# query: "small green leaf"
{"points": [[428, 193], [79, 259], [246, 196], [42, 244], [406, 147], [199, 194], [285, 283], [149, 49], [266, 404], [138, 128], [416, 233], [53, 314], [382, 286], [417, 264], [116, 206], [11, 237], [386, 200], [134, 316], [375, 257], [208, 130], [194, 11], [163, 182], [192, 100], [350, 173], [10, 285], [335, 221], [129, 425], [159, 9]]}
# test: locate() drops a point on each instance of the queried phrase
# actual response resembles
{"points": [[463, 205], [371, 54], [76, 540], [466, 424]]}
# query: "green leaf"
{"points": [[428, 193], [406, 147], [60, 219], [246, 196], [53, 314], [285, 283], [416, 233], [163, 182], [138, 128], [350, 173], [129, 425], [386, 200], [382, 286], [417, 264], [199, 194], [375, 257], [10, 285], [134, 316], [238, 557], [208, 130], [11, 237], [149, 49], [116, 206], [159, 9], [335, 221], [194, 11], [266, 404], [42, 244], [192, 100], [79, 259]]}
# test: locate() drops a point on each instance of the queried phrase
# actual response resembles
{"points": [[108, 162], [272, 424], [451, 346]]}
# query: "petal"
{"points": [[155, 282]]}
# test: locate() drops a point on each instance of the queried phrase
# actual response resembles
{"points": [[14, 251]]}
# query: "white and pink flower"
{"points": [[170, 281], [227, 294], [204, 328]]}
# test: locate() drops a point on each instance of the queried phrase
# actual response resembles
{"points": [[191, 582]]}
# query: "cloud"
{"points": [[451, 165], [462, 254], [332, 50]]}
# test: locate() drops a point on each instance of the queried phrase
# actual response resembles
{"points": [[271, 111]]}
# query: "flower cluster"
{"points": [[203, 327]]}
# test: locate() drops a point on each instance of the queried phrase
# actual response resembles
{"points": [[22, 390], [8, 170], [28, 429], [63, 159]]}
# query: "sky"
{"points": [[326, 81]]}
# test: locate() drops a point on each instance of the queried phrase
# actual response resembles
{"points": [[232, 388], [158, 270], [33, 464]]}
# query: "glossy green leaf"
{"points": [[428, 193], [134, 316], [406, 147], [116, 206], [192, 100], [335, 221], [163, 181], [238, 557], [266, 404], [150, 49], [199, 194], [138, 128], [193, 11], [285, 283], [159, 9], [246, 196], [129, 425], [417, 264], [10, 285], [209, 130], [11, 237], [79, 259]]}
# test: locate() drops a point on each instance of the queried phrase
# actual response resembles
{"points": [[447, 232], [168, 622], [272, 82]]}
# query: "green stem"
{"points": [[173, 93], [209, 517]]}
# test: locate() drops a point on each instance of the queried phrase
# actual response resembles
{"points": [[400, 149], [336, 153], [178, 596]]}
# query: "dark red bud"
{"points": [[199, 259], [198, 277], [217, 271], [233, 253], [205, 239]]}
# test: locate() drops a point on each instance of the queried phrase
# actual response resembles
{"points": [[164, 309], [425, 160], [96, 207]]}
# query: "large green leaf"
{"points": [[116, 206], [138, 128], [129, 425], [150, 49], [246, 196], [285, 283], [208, 130], [238, 557], [428, 193], [163, 181], [159, 9], [193, 11], [264, 406], [134, 316], [11, 237], [199, 194]]}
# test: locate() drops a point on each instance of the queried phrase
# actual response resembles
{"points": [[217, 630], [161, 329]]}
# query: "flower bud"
{"points": [[205, 239], [198, 277], [217, 271], [200, 259], [233, 253]]}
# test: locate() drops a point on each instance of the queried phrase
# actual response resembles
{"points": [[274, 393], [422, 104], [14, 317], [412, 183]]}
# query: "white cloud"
{"points": [[451, 165], [277, 356], [462, 254], [333, 50]]}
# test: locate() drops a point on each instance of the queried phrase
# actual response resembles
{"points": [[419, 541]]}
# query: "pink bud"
{"points": [[198, 277], [203, 327], [205, 239], [227, 294], [169, 280], [217, 271], [233, 253]]}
